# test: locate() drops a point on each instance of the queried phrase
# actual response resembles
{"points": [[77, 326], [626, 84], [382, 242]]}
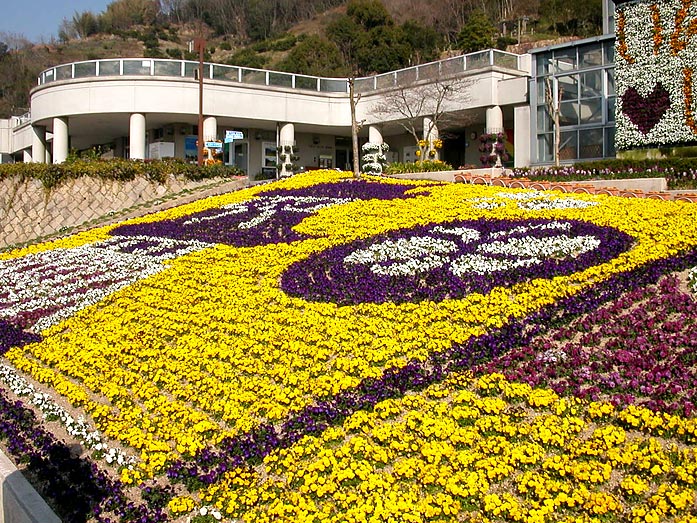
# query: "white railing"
{"points": [[245, 75]]}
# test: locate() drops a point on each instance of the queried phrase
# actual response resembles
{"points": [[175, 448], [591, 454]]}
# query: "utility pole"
{"points": [[200, 44]]}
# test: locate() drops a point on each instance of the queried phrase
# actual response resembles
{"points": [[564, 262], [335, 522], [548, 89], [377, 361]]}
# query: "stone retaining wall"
{"points": [[28, 211]]}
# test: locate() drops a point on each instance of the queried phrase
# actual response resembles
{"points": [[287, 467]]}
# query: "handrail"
{"points": [[247, 75]]}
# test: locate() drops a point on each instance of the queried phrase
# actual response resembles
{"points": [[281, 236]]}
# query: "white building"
{"points": [[148, 108]]}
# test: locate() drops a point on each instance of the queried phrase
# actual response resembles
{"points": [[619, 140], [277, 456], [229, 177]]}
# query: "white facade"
{"points": [[128, 104]]}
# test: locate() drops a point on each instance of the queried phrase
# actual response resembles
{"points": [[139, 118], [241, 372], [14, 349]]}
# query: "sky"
{"points": [[39, 20]]}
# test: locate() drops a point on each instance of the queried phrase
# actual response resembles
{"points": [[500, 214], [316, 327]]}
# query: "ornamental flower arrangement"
{"points": [[374, 159], [493, 149], [655, 64], [322, 348]]}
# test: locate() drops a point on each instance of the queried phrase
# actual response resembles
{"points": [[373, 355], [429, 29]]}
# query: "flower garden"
{"points": [[330, 349]]}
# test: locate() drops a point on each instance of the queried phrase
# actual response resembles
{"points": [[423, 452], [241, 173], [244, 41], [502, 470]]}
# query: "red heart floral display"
{"points": [[646, 111]]}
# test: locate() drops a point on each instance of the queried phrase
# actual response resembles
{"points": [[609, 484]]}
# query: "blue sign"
{"points": [[231, 136]]}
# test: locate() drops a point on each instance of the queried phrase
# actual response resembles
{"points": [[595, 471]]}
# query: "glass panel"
{"points": [[386, 80], [191, 70], [610, 82], [545, 151], [590, 55], [505, 60], [568, 146], [327, 85], [564, 60], [452, 66], [281, 79], [224, 72], [542, 63], [85, 69], [592, 84], [64, 72], [568, 86], [109, 68], [407, 76], [168, 68], [592, 110], [609, 142], [541, 91], [364, 85], [253, 76], [478, 60], [136, 67], [306, 82], [544, 121], [611, 109], [568, 113], [590, 143], [428, 71], [609, 49]]}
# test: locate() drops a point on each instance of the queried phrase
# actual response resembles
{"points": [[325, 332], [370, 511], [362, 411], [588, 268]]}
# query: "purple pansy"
{"points": [[451, 260], [13, 336], [267, 219]]}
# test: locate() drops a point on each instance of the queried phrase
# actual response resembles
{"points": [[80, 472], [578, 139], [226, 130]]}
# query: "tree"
{"points": [[368, 13], [354, 98], [423, 42], [345, 32], [423, 108], [314, 56], [477, 33], [553, 94]]}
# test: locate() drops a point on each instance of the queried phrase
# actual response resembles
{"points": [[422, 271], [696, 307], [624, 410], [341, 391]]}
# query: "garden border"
{"points": [[19, 501]]}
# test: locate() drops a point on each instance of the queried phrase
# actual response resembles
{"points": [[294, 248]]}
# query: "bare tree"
{"points": [[421, 109], [553, 94], [355, 125]]}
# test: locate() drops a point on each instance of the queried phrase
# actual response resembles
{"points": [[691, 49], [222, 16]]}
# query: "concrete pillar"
{"points": [[210, 129], [494, 119], [287, 142], [522, 144], [374, 135], [137, 137], [27, 156], [60, 140], [38, 144]]}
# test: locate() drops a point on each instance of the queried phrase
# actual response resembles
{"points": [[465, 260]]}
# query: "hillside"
{"points": [[329, 38]]}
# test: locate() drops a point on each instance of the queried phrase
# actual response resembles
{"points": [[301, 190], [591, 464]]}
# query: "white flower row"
{"points": [[159, 249], [413, 255], [77, 428], [531, 201], [418, 254], [267, 206]]}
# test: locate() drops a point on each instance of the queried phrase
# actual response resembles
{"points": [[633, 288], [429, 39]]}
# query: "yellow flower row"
{"points": [[419, 458]]}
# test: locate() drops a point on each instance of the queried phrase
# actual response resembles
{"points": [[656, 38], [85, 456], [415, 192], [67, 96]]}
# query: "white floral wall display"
{"points": [[656, 63]]}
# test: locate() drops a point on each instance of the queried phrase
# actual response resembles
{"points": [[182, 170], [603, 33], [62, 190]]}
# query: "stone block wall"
{"points": [[28, 211]]}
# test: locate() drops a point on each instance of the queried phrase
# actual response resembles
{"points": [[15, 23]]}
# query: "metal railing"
{"points": [[245, 75]]}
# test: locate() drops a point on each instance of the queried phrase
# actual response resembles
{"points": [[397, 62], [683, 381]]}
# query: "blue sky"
{"points": [[39, 20]]}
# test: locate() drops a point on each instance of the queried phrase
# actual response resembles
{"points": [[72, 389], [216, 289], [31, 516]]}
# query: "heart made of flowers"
{"points": [[646, 111]]}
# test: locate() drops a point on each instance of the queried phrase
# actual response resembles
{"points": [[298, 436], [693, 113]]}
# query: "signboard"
{"points": [[214, 145], [230, 136]]}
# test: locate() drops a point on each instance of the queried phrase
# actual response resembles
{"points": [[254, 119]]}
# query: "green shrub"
{"points": [[681, 173], [427, 166], [52, 175]]}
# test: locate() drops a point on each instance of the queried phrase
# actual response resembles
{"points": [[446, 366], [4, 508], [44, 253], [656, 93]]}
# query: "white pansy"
{"points": [[466, 234], [555, 246], [546, 204], [408, 255], [482, 264], [77, 428]]}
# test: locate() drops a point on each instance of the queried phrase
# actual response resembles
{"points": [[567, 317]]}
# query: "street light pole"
{"points": [[200, 43]]}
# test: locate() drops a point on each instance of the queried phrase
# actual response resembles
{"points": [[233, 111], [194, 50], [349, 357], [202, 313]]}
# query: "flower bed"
{"points": [[303, 350]]}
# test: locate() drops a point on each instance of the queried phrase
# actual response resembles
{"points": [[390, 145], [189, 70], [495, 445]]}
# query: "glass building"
{"points": [[579, 77]]}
